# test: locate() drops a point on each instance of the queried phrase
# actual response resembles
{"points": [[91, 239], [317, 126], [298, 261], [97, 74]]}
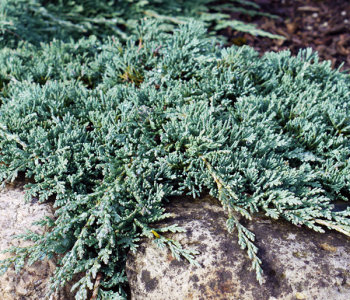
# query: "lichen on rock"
{"points": [[296, 263], [31, 283]]}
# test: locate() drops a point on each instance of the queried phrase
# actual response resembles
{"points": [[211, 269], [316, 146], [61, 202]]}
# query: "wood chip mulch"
{"points": [[322, 25]]}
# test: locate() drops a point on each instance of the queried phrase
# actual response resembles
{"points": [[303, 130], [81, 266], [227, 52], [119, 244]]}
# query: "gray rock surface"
{"points": [[15, 217], [298, 263]]}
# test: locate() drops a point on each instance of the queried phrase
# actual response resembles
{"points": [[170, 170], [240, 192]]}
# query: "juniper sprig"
{"points": [[37, 21], [113, 130]]}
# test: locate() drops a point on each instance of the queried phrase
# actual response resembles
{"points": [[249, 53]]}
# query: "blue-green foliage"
{"points": [[111, 131], [38, 21]]}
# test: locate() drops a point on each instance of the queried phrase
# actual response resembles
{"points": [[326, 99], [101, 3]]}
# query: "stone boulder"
{"points": [[298, 263], [16, 216]]}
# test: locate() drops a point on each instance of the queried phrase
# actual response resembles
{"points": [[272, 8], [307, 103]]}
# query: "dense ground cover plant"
{"points": [[38, 21], [112, 131]]}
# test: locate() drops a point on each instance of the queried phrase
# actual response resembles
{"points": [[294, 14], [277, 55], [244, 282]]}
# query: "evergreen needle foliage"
{"points": [[38, 21], [112, 131]]}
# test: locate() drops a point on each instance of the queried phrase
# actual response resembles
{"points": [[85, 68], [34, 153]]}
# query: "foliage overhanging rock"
{"points": [[111, 131]]}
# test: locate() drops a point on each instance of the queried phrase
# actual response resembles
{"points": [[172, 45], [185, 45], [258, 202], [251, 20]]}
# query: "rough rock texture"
{"points": [[298, 263], [15, 217]]}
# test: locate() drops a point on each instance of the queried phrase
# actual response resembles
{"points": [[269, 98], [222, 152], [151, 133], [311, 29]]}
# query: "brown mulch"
{"points": [[322, 25]]}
